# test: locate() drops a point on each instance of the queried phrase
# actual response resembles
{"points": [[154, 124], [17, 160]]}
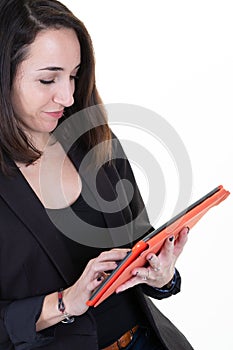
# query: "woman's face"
{"points": [[44, 84]]}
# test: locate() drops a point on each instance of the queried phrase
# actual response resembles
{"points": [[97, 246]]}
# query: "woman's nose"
{"points": [[64, 94]]}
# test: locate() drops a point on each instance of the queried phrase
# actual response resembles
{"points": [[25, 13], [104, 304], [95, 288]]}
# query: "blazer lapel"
{"points": [[20, 197]]}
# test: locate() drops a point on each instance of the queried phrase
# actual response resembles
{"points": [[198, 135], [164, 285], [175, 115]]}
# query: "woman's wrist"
{"points": [[66, 317], [50, 314], [171, 283]]}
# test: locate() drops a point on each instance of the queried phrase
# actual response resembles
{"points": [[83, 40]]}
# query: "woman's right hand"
{"points": [[77, 295]]}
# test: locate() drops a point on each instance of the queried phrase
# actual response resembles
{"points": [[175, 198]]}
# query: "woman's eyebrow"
{"points": [[55, 69]]}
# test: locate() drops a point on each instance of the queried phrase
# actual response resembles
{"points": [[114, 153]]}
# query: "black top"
{"points": [[119, 312]]}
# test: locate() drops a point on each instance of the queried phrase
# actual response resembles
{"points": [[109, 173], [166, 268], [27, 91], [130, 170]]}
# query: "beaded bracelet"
{"points": [[61, 307]]}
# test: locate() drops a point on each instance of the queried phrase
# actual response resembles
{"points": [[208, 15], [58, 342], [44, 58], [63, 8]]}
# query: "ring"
{"points": [[145, 278], [156, 268]]}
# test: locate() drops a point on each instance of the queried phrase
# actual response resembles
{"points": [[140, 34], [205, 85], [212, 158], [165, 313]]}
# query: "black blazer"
{"points": [[34, 262]]}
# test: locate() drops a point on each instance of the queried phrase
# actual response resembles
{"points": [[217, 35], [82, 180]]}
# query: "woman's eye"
{"points": [[74, 77], [46, 82]]}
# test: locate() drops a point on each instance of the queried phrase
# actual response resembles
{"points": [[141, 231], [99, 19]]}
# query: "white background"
{"points": [[176, 58]]}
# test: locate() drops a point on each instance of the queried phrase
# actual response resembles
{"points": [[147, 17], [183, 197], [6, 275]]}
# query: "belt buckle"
{"points": [[123, 347]]}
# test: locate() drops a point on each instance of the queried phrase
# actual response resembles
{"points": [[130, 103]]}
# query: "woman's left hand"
{"points": [[161, 268]]}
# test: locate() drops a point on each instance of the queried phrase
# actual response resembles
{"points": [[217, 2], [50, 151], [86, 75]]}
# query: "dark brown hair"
{"points": [[20, 22]]}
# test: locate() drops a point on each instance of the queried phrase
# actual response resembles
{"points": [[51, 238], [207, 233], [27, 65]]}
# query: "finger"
{"points": [[181, 241], [129, 284], [94, 267], [183, 236], [141, 276], [99, 267], [102, 276], [91, 286], [113, 254], [167, 249], [121, 249], [106, 261], [153, 261]]}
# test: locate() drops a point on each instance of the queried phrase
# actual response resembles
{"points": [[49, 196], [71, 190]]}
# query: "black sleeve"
{"points": [[18, 322]]}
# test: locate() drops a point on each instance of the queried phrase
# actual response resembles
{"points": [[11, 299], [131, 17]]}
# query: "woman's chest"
{"points": [[53, 178]]}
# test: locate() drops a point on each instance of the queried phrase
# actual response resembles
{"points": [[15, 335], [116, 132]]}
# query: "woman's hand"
{"points": [[161, 268], [76, 296]]}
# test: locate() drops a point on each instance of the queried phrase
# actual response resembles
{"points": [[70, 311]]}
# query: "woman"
{"points": [[46, 77]]}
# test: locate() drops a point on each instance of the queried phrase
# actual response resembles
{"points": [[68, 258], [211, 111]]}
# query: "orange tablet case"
{"points": [[154, 241]]}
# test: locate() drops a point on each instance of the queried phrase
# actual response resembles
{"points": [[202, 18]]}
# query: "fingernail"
{"points": [[100, 278], [171, 238]]}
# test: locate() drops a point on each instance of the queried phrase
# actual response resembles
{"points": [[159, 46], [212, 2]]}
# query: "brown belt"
{"points": [[123, 341]]}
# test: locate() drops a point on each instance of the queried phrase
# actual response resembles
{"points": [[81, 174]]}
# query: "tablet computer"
{"points": [[153, 242]]}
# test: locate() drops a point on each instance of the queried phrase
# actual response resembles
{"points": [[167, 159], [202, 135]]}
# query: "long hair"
{"points": [[20, 22]]}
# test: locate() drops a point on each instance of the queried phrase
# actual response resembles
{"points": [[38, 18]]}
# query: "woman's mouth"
{"points": [[56, 115]]}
